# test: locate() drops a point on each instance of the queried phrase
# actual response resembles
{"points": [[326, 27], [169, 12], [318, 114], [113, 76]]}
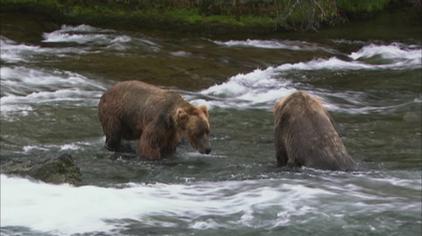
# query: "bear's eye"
{"points": [[201, 134]]}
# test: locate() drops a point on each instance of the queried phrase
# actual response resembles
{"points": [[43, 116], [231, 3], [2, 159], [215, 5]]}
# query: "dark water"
{"points": [[52, 77]]}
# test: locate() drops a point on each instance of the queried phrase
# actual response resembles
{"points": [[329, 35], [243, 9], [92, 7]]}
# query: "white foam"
{"points": [[49, 96], [263, 203], [415, 184], [88, 35], [180, 54], [393, 51], [29, 148], [51, 208], [76, 38], [83, 34], [262, 87], [121, 39], [274, 44], [21, 110], [83, 28], [252, 89], [203, 225], [71, 146], [284, 217], [19, 76], [13, 103], [332, 63], [13, 52], [54, 147], [23, 87], [120, 42]]}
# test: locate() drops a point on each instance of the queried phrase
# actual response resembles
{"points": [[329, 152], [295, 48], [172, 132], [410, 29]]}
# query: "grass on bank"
{"points": [[201, 15], [118, 15]]}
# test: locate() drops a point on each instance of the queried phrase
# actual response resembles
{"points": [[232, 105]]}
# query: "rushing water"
{"points": [[53, 76]]}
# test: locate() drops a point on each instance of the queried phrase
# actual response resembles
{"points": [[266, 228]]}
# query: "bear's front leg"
{"points": [[281, 155], [148, 148]]}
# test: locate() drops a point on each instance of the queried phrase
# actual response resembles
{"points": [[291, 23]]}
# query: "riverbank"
{"points": [[215, 17]]}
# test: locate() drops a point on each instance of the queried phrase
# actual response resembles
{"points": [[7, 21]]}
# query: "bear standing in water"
{"points": [[158, 118], [305, 135]]}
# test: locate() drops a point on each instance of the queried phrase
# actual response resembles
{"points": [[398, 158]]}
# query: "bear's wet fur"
{"points": [[159, 118], [305, 135]]}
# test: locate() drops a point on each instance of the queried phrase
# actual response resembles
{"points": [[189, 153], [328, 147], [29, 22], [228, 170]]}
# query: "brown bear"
{"points": [[305, 135], [159, 118]]}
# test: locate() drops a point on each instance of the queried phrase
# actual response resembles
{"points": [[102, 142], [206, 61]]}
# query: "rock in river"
{"points": [[56, 170]]}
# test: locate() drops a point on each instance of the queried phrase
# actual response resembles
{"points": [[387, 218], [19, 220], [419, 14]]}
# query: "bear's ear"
{"points": [[204, 109], [279, 103], [181, 116], [274, 108]]}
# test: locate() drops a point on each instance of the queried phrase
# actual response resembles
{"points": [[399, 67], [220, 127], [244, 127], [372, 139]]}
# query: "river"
{"points": [[52, 77]]}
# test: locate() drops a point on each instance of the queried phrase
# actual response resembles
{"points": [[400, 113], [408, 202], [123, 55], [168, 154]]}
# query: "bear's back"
{"points": [[309, 134]]}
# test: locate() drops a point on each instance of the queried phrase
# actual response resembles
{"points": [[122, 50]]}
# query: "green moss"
{"points": [[362, 6], [184, 15], [305, 14], [205, 15]]}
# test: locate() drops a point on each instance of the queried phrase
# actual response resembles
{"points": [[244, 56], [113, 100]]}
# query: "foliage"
{"points": [[362, 6], [234, 15], [305, 14]]}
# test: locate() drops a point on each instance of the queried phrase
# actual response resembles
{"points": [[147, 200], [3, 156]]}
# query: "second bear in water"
{"points": [[305, 135]]}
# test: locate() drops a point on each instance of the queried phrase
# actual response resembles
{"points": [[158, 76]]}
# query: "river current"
{"points": [[53, 76]]}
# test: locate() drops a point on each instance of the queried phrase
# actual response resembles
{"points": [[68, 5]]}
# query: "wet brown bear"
{"points": [[158, 118], [305, 135]]}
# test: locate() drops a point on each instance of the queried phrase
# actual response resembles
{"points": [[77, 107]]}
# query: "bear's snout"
{"points": [[202, 145], [206, 147]]}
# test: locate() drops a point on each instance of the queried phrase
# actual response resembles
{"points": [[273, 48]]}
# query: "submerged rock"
{"points": [[51, 170]]}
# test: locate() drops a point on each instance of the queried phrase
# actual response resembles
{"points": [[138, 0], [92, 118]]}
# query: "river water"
{"points": [[52, 77]]}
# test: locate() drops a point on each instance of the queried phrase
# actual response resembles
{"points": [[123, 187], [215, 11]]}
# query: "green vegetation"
{"points": [[202, 15], [362, 6], [136, 14]]}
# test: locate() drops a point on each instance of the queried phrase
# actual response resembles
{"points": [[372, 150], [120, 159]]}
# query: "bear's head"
{"points": [[195, 127]]}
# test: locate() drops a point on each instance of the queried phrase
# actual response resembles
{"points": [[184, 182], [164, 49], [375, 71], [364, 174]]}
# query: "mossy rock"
{"points": [[50, 170]]}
